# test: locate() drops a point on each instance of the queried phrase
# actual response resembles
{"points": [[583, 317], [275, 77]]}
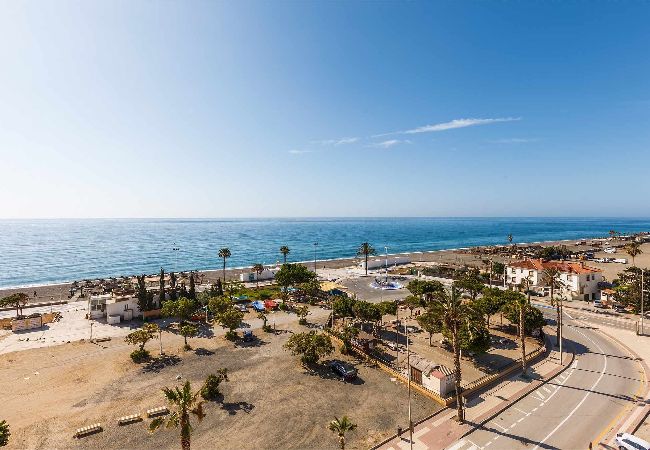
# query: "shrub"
{"points": [[267, 328], [139, 355], [210, 390], [302, 321], [231, 335], [4, 433]]}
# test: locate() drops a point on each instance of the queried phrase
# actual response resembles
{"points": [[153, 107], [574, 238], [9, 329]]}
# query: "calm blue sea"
{"points": [[49, 251]]}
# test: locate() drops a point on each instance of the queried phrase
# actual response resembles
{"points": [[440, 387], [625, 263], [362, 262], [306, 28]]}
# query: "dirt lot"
{"points": [[270, 401]]}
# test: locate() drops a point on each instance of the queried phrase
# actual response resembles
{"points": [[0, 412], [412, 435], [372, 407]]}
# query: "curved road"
{"points": [[573, 409]]}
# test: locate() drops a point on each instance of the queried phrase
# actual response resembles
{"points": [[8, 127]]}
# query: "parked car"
{"points": [[627, 441], [258, 306], [345, 371], [242, 307], [248, 336]]}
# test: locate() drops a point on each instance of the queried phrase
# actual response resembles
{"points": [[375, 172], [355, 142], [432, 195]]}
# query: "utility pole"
{"points": [[561, 323], [642, 287], [386, 248], [315, 246], [91, 330], [408, 375]]}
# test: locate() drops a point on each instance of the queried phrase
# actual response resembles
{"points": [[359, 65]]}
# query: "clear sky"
{"points": [[270, 108]]}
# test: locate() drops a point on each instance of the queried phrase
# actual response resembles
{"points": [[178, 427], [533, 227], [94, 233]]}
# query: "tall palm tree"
{"points": [[258, 269], [523, 305], [224, 253], [285, 251], [366, 250], [633, 249], [509, 237], [183, 402], [454, 315], [341, 426], [551, 277], [612, 233]]}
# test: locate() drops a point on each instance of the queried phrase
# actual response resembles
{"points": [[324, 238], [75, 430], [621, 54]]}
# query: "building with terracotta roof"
{"points": [[577, 280], [435, 377]]}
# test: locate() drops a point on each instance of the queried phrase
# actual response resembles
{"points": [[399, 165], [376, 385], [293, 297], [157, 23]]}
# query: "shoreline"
{"points": [[59, 291]]}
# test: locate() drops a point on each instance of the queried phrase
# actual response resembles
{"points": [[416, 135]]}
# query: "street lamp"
{"points": [[386, 248], [408, 375], [315, 246]]}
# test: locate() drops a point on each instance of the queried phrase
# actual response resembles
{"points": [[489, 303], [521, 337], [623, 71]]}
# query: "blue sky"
{"points": [[249, 109]]}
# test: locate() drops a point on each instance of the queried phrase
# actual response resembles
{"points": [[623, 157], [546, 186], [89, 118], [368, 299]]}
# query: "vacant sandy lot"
{"points": [[270, 401]]}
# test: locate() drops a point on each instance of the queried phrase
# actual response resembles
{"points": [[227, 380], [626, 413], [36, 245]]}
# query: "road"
{"points": [[573, 409]]}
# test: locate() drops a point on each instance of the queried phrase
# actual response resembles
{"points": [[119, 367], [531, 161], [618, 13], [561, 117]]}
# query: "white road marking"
{"points": [[545, 388], [458, 444], [502, 428], [521, 411], [602, 374], [540, 394]]}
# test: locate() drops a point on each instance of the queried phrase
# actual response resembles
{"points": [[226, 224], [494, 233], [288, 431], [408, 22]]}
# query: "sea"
{"points": [[37, 252]]}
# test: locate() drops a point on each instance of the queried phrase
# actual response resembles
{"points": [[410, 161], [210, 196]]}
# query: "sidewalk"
{"points": [[442, 430]]}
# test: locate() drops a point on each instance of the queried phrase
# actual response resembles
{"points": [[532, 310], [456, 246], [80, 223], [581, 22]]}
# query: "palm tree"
{"points": [[454, 315], [366, 250], [224, 253], [183, 402], [633, 249], [551, 276], [522, 304], [258, 269], [612, 233], [341, 426], [510, 240], [285, 251]]}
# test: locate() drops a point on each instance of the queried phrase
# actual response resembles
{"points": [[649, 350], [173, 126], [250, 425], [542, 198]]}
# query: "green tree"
{"points": [[210, 389], [264, 319], [429, 322], [183, 402], [224, 253], [4, 433], [293, 275], [302, 312], [489, 303], [412, 302], [366, 250], [340, 427], [627, 287], [633, 249], [17, 301], [471, 284], [161, 287], [258, 269], [518, 308], [219, 305], [188, 330], [140, 337], [348, 333], [183, 309], [310, 346], [454, 315], [387, 307], [192, 293], [145, 298], [551, 277], [230, 319], [426, 289], [172, 285], [498, 267], [343, 306], [285, 251], [233, 288]]}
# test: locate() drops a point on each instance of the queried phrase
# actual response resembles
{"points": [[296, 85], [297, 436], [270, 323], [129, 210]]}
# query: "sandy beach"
{"points": [[60, 292]]}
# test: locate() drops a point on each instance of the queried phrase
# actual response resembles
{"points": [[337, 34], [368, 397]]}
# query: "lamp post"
{"points": [[642, 287], [386, 249], [315, 246], [408, 375], [91, 330]]}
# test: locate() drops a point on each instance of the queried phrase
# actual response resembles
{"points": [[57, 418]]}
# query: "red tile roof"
{"points": [[562, 266]]}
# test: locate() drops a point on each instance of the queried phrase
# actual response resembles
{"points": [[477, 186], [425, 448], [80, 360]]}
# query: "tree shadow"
{"points": [[155, 365], [324, 372], [232, 408], [257, 342], [203, 352]]}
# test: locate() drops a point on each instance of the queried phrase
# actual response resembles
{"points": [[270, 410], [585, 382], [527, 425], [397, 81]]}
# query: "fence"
{"points": [[468, 388]]}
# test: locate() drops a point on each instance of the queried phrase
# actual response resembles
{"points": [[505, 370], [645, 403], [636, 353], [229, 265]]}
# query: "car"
{"points": [[346, 372], [241, 308], [248, 336], [620, 310], [627, 441], [391, 345]]}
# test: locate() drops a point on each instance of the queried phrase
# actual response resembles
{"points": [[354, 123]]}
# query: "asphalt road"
{"points": [[573, 409]]}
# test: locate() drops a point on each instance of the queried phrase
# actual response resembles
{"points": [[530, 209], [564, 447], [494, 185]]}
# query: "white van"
{"points": [[627, 441]]}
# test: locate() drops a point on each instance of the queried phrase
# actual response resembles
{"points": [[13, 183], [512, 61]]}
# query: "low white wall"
{"points": [[378, 263]]}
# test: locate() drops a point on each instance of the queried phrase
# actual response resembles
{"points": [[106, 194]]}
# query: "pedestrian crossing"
{"points": [[464, 444]]}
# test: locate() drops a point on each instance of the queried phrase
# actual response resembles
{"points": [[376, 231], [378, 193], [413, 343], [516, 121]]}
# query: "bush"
{"points": [[139, 356], [283, 306], [210, 390], [267, 328], [302, 321], [231, 335], [4, 433], [187, 347]]}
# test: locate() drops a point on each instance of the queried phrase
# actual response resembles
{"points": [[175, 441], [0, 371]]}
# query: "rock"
{"points": [[178, 377]]}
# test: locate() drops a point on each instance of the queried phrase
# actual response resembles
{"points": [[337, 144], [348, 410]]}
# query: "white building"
{"points": [[267, 274], [115, 308], [577, 281], [435, 377], [379, 263]]}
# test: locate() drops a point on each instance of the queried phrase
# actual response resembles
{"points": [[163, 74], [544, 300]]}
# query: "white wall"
{"points": [[378, 263]]}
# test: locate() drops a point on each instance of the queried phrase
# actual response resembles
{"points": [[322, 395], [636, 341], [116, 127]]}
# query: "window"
{"points": [[530, 274]]}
